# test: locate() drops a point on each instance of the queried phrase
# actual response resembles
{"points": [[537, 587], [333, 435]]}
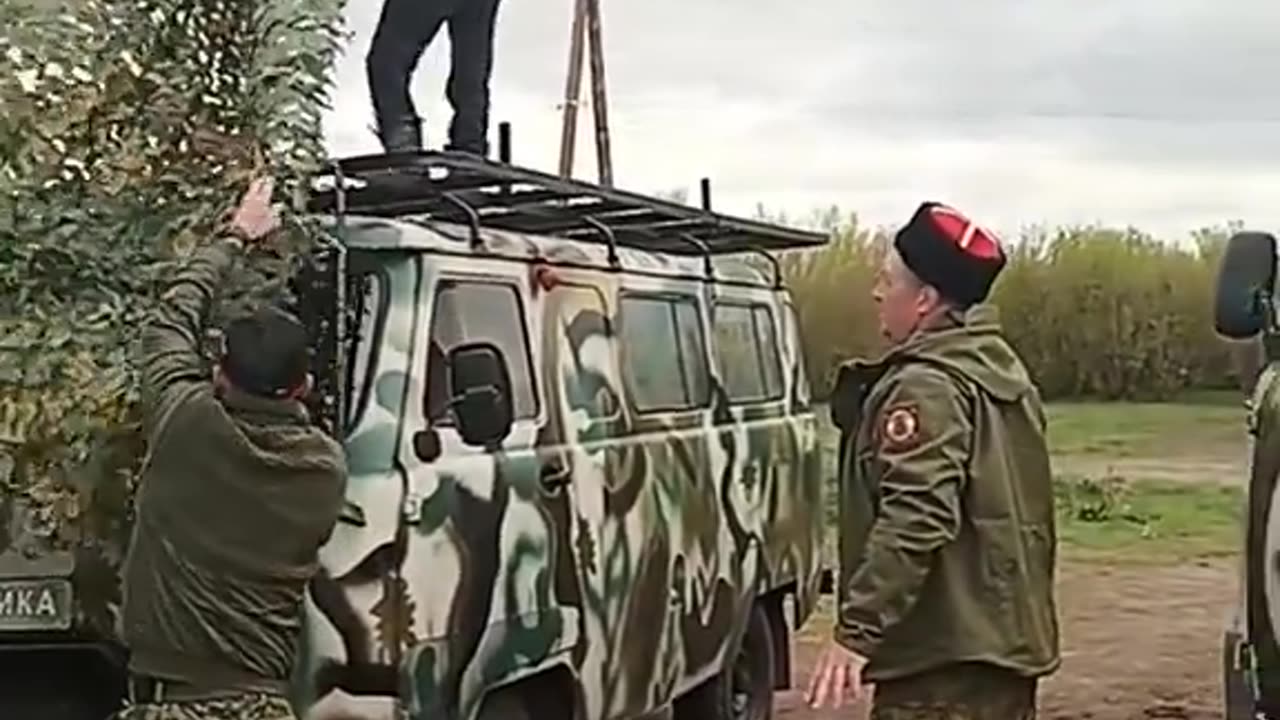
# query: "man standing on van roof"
{"points": [[238, 493], [405, 29], [946, 600]]}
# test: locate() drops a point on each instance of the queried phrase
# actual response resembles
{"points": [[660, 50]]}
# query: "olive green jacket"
{"points": [[236, 497], [946, 506]]}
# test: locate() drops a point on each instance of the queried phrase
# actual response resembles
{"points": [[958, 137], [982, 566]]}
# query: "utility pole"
{"points": [[586, 34]]}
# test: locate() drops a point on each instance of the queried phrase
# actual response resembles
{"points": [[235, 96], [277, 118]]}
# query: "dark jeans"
{"points": [[405, 29]]}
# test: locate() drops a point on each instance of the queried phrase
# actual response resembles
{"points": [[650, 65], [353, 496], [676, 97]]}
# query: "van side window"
{"points": [[770, 355], [584, 320], [747, 352], [790, 330], [663, 352], [474, 311]]}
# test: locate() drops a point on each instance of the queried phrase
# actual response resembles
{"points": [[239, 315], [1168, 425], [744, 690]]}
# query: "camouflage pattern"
{"points": [[957, 692], [634, 577], [631, 582], [238, 707]]}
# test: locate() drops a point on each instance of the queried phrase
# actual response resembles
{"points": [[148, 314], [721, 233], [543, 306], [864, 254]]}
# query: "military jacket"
{"points": [[948, 539], [237, 495]]}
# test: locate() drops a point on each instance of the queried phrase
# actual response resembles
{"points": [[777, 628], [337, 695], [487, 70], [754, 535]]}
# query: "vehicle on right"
{"points": [[1245, 313]]}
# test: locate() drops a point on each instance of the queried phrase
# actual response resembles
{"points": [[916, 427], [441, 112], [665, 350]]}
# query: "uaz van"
{"points": [[584, 464]]}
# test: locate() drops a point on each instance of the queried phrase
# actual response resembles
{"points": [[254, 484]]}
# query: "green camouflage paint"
{"points": [[632, 579], [635, 575]]}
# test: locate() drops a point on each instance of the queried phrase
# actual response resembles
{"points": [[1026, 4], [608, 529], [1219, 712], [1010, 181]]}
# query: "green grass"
{"points": [[1198, 423], [1208, 424], [1149, 520]]}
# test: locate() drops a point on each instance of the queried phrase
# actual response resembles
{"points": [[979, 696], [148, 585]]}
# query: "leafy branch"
{"points": [[127, 129]]}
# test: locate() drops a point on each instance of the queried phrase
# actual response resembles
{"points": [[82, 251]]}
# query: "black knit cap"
{"points": [[947, 250]]}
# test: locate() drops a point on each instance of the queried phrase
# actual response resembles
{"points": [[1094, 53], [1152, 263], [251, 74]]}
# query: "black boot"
{"points": [[405, 29], [480, 150], [402, 135]]}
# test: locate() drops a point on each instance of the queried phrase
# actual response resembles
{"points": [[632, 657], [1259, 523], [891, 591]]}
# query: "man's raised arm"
{"points": [[173, 368]]}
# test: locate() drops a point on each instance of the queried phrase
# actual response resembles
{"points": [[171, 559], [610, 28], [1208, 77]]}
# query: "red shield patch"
{"points": [[900, 427]]}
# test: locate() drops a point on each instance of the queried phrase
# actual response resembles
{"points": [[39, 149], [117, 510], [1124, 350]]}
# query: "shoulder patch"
{"points": [[900, 427]]}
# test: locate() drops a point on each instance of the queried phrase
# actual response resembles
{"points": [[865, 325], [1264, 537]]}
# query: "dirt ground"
{"points": [[1140, 642], [1221, 470]]}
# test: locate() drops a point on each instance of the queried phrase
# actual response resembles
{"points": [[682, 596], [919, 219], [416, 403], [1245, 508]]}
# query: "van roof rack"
{"points": [[456, 187]]}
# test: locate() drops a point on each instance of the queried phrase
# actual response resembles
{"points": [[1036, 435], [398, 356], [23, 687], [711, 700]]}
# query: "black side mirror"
{"points": [[481, 399], [1246, 282]]}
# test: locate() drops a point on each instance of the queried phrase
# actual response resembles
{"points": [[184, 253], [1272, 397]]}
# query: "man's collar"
{"points": [[945, 318], [237, 399]]}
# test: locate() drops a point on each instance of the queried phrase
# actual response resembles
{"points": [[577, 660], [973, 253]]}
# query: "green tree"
{"points": [[127, 128]]}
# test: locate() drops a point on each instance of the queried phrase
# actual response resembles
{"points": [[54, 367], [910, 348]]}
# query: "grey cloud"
{"points": [[1171, 88], [1167, 83]]}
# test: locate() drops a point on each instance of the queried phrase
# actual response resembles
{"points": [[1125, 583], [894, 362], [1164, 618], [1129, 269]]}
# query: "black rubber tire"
{"points": [[58, 684], [1247, 271], [744, 689], [45, 701], [505, 705]]}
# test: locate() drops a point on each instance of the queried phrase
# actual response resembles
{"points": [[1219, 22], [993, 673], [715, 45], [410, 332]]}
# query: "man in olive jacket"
{"points": [[238, 493], [946, 598]]}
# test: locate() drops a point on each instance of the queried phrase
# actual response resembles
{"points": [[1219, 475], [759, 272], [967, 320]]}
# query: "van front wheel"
{"points": [[744, 689]]}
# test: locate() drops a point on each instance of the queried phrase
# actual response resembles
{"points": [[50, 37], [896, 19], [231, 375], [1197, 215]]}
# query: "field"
{"points": [[1150, 506]]}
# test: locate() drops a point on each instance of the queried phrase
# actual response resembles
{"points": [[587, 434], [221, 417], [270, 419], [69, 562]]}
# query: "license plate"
{"points": [[35, 605]]}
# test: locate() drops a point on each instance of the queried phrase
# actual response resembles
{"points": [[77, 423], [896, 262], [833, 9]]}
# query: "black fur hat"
{"points": [[952, 253]]}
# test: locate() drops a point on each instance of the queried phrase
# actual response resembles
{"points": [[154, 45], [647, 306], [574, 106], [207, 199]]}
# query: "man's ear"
{"points": [[304, 387], [928, 300]]}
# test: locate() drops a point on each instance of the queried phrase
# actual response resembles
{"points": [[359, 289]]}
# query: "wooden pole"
{"points": [[599, 98], [573, 89]]}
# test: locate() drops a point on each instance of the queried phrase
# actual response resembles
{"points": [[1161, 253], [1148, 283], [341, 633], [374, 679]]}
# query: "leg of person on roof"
{"points": [[405, 29]]}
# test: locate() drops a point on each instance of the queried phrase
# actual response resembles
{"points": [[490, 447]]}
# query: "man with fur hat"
{"points": [[946, 602]]}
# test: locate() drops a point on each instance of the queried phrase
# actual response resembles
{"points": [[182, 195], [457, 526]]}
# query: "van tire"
{"points": [[744, 689], [57, 683], [506, 704], [62, 707]]}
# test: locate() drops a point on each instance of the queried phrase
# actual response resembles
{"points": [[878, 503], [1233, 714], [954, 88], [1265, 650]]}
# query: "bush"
{"points": [[126, 128], [1100, 312]]}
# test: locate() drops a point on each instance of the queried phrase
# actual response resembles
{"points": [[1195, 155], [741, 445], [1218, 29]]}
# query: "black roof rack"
{"points": [[455, 187]]}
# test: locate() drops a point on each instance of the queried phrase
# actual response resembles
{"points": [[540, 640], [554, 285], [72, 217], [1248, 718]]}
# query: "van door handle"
{"points": [[554, 475], [352, 514]]}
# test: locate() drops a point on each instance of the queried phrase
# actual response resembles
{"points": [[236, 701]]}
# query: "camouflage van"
{"points": [[584, 460], [1245, 312]]}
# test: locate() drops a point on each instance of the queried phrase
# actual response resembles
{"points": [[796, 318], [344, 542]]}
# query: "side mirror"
{"points": [[481, 399], [1246, 282]]}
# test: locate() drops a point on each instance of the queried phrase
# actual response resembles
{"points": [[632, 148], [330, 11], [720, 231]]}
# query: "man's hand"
{"points": [[256, 217], [837, 670]]}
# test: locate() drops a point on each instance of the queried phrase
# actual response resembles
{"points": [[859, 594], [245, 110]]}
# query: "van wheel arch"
{"points": [[522, 699], [753, 664]]}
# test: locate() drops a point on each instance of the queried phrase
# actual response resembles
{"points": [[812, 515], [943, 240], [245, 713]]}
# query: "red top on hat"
{"points": [[951, 252], [965, 233]]}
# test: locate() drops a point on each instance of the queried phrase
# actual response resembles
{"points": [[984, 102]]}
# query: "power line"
{"points": [[942, 113]]}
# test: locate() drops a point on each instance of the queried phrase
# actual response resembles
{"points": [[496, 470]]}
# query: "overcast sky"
{"points": [[1163, 114]]}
